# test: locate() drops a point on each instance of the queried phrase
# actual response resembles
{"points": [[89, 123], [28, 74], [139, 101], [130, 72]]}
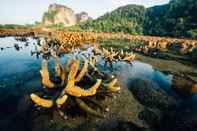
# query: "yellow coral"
{"points": [[45, 75], [41, 102], [194, 88], [58, 70], [78, 92], [60, 73], [129, 57], [93, 63], [60, 101], [74, 69], [67, 66], [109, 56], [83, 71], [111, 86]]}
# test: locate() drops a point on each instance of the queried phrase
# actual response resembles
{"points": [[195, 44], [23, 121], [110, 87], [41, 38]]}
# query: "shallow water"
{"points": [[20, 67], [20, 73]]}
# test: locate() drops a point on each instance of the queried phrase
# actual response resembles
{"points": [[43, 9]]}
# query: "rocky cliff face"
{"points": [[83, 16], [60, 14]]}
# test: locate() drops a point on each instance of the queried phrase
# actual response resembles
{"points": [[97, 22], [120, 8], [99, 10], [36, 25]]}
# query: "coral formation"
{"points": [[72, 84], [113, 56]]}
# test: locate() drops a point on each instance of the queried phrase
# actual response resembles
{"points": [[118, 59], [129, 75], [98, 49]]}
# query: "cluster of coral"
{"points": [[15, 32], [79, 80], [73, 39]]}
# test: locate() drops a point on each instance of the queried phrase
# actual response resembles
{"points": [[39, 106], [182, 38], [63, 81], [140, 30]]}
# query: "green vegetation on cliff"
{"points": [[178, 18], [49, 16], [126, 19]]}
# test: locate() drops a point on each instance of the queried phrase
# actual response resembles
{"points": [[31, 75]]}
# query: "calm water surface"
{"points": [[20, 72]]}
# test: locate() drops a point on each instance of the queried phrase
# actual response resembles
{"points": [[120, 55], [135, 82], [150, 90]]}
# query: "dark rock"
{"points": [[179, 121], [153, 52], [183, 85], [152, 117], [127, 126], [150, 95], [194, 55], [175, 46], [16, 46]]}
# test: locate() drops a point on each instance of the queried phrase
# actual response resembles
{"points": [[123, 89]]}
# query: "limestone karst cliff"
{"points": [[59, 14], [82, 16]]}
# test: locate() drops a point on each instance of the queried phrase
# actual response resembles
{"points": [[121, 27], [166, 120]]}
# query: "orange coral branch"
{"points": [[60, 101], [83, 71], [74, 69], [41, 102], [78, 92], [45, 75], [112, 86]]}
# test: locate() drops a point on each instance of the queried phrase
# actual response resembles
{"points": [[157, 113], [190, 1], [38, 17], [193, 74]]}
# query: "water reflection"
{"points": [[139, 70], [16, 62], [20, 65]]}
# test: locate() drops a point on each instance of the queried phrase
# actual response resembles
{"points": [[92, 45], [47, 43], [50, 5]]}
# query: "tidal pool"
{"points": [[20, 75]]}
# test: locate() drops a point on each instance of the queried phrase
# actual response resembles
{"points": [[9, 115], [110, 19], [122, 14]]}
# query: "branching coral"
{"points": [[45, 75], [71, 75], [112, 86], [113, 56], [73, 39], [41, 102]]}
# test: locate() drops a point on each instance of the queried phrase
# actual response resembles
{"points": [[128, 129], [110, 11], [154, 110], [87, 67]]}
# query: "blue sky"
{"points": [[28, 11]]}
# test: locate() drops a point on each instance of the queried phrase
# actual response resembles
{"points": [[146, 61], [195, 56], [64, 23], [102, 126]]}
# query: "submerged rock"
{"points": [[152, 117], [194, 55], [183, 120], [184, 85], [150, 95], [122, 115], [17, 47]]}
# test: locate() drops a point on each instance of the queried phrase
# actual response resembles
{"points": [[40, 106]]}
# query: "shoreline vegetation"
{"points": [[176, 19]]}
